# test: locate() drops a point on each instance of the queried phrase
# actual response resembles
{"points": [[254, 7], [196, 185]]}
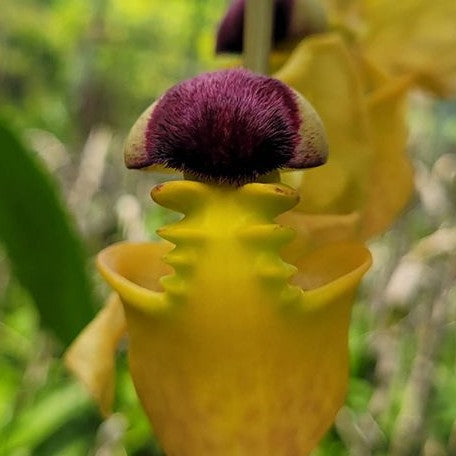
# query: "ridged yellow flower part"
{"points": [[234, 351]]}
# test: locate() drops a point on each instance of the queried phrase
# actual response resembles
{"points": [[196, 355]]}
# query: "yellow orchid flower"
{"points": [[232, 350], [368, 178]]}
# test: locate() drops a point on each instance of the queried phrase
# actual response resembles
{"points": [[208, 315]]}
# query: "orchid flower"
{"points": [[357, 77], [232, 350]]}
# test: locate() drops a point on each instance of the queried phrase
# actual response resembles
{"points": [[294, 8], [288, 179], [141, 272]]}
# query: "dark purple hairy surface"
{"points": [[230, 125], [231, 29]]}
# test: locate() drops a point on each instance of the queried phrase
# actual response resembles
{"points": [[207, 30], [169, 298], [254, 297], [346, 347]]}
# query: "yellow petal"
{"points": [[315, 230], [368, 179], [91, 357], [322, 69], [413, 37], [121, 270], [391, 178], [373, 77], [344, 15], [332, 270], [238, 360]]}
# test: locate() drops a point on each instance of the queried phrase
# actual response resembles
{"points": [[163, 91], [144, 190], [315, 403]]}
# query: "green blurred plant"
{"points": [[44, 250]]}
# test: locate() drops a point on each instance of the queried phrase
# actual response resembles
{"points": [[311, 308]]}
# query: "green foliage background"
{"points": [[74, 75]]}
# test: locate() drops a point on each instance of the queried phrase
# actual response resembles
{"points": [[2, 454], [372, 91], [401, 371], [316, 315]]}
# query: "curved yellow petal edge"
{"points": [[391, 175], [91, 357], [235, 352]]}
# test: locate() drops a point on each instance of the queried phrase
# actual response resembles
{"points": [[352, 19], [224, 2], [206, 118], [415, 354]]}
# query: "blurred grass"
{"points": [[73, 77]]}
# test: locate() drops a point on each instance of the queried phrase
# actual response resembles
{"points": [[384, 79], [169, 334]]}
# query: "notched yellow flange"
{"points": [[227, 236]]}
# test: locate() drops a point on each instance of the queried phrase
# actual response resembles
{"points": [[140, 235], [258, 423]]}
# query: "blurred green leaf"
{"points": [[360, 393], [331, 445], [45, 417], [41, 242]]}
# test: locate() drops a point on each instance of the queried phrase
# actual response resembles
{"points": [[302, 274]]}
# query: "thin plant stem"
{"points": [[258, 34]]}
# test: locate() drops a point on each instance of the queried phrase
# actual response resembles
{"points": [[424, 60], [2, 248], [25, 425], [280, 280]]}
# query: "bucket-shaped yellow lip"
{"points": [[134, 270]]}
